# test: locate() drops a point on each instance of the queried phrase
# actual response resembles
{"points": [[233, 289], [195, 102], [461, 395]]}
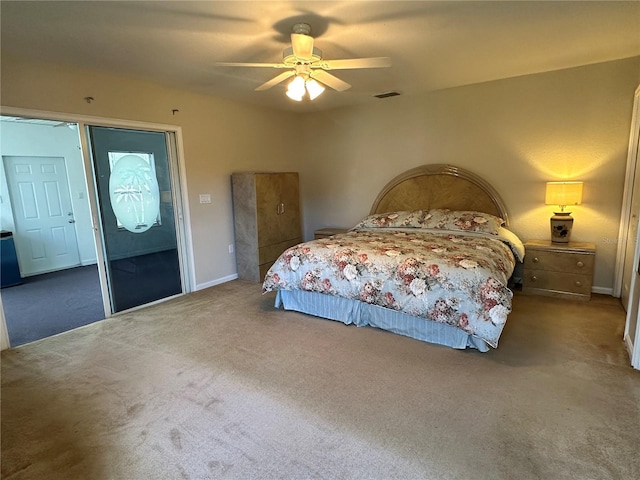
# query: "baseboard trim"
{"points": [[602, 290], [217, 281]]}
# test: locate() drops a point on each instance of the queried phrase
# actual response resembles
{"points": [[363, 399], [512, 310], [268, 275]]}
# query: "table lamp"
{"points": [[562, 194]]}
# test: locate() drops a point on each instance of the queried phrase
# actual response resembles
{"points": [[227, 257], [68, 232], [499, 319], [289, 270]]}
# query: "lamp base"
{"points": [[561, 225]]}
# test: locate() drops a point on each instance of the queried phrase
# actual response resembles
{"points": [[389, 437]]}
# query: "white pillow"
{"points": [[512, 239]]}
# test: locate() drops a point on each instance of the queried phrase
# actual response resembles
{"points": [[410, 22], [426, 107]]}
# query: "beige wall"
{"points": [[219, 137], [518, 133]]}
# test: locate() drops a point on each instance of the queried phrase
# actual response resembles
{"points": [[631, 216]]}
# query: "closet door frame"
{"points": [[632, 178], [632, 170]]}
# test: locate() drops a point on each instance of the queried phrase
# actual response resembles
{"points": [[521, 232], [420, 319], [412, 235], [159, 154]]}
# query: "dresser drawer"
{"points": [[579, 263], [545, 281]]}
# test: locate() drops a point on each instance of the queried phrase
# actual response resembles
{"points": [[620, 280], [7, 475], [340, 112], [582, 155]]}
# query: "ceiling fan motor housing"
{"points": [[288, 58], [302, 28]]}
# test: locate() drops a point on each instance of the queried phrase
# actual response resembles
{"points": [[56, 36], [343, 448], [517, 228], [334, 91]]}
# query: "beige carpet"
{"points": [[219, 384]]}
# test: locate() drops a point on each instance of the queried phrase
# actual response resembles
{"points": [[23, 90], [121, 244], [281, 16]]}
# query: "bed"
{"points": [[431, 261]]}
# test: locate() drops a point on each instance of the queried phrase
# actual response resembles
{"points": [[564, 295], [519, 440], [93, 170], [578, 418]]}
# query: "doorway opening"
{"points": [[46, 216], [49, 173]]}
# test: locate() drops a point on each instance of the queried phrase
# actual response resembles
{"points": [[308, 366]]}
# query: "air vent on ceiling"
{"points": [[387, 94]]}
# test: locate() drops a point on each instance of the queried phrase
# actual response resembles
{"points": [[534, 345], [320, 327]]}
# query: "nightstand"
{"points": [[327, 232], [559, 269]]}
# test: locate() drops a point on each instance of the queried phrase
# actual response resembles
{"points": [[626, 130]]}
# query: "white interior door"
{"points": [[629, 269], [630, 278], [633, 313], [625, 264], [45, 234]]}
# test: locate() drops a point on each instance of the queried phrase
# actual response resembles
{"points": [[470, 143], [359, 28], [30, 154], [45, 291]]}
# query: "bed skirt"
{"points": [[363, 314]]}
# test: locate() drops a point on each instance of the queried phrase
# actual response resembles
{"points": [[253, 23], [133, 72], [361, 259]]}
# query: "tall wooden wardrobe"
{"points": [[266, 210]]}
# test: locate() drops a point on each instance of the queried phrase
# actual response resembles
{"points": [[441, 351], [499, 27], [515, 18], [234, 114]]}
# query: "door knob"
{"points": [[71, 220]]}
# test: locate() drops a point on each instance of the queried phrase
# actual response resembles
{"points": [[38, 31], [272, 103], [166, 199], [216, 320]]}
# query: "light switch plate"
{"points": [[205, 198]]}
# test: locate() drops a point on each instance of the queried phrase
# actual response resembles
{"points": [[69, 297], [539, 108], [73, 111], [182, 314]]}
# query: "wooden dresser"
{"points": [[559, 269], [266, 210]]}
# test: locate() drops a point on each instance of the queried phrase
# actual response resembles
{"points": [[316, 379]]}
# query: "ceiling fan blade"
{"points": [[276, 80], [374, 62], [302, 46], [330, 80], [240, 64]]}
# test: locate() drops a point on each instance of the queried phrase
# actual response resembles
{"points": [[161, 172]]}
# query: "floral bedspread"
{"points": [[458, 280]]}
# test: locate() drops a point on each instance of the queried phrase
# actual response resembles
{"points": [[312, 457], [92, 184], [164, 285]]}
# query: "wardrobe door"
{"points": [[278, 216], [289, 220], [267, 204]]}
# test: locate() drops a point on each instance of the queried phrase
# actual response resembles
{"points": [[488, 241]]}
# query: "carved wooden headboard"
{"points": [[439, 186]]}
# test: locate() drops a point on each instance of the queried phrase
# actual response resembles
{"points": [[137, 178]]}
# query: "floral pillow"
{"points": [[440, 219], [465, 220], [402, 219]]}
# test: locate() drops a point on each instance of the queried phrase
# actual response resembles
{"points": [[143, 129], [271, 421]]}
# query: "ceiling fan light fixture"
{"points": [[302, 84], [295, 90], [314, 88]]}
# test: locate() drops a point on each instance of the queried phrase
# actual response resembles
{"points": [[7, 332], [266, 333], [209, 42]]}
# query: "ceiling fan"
{"points": [[304, 62]]}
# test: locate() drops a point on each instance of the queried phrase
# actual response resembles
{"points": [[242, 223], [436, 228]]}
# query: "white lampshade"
{"points": [[563, 193], [314, 88], [295, 90]]}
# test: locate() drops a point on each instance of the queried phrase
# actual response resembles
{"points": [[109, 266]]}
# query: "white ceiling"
{"points": [[432, 45]]}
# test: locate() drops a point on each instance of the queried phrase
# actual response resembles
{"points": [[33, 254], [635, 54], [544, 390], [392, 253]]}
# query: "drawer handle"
{"points": [[579, 264], [578, 283], [533, 278], [536, 259]]}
